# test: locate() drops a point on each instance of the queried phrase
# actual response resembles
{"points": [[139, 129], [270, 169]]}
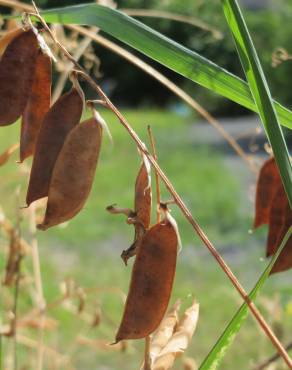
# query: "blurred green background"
{"points": [[215, 184]]}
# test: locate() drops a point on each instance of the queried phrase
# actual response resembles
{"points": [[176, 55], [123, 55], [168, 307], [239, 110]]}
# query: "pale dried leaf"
{"points": [[180, 340], [164, 331]]}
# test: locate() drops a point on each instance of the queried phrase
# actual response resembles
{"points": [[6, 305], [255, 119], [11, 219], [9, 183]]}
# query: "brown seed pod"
{"points": [[37, 106], [284, 261], [267, 183], [73, 173], [17, 68], [143, 194], [276, 219], [151, 282], [8, 37], [58, 122]]}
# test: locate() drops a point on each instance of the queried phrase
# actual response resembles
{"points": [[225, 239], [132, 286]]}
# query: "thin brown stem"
{"points": [[272, 359], [40, 300], [177, 199], [175, 17], [131, 58], [147, 358], [152, 143]]}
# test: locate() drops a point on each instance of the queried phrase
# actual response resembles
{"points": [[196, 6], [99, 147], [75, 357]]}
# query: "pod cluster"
{"points": [[65, 152], [65, 155]]}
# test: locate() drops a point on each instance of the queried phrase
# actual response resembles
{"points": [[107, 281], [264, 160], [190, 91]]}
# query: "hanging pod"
{"points": [[37, 105], [73, 173], [268, 180], [151, 282], [17, 68], [284, 261], [8, 37], [276, 218], [58, 122]]}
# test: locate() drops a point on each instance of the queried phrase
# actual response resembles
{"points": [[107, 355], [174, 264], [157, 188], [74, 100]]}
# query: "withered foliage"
{"points": [[272, 208], [180, 339], [38, 104], [151, 282], [17, 68], [73, 173], [63, 116]]}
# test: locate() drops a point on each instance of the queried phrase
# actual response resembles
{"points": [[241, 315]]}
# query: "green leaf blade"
{"points": [[260, 91], [165, 51]]}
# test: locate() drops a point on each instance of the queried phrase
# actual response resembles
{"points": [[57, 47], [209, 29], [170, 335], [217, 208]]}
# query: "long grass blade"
{"points": [[164, 50], [218, 352], [260, 91]]}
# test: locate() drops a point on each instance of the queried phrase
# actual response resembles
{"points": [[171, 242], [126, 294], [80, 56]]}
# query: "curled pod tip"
{"points": [[143, 193], [62, 117], [151, 282], [37, 106], [17, 68], [73, 173]]}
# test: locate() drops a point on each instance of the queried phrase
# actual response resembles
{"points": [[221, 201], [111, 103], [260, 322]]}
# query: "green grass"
{"points": [[88, 248]]}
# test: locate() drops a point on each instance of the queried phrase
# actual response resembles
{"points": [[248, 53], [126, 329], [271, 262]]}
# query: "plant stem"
{"points": [[152, 143], [176, 197], [272, 359]]}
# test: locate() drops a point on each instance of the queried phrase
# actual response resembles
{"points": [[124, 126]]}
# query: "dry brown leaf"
{"points": [[73, 174], [180, 340], [58, 122], [37, 106], [267, 183], [164, 331], [151, 282], [4, 157], [17, 68]]}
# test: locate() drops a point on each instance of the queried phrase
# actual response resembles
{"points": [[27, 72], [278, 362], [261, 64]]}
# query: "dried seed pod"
{"points": [[8, 37], [73, 173], [268, 180], [143, 194], [151, 282], [37, 106], [17, 68], [58, 122], [284, 261], [276, 219]]}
